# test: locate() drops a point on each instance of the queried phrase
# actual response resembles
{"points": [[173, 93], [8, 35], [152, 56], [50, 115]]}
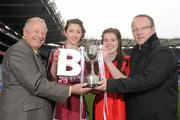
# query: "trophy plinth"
{"points": [[92, 80]]}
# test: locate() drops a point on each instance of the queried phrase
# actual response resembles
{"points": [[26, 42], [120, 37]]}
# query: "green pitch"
{"points": [[89, 100]]}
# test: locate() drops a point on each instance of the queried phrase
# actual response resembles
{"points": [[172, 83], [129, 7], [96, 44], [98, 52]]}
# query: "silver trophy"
{"points": [[91, 56]]}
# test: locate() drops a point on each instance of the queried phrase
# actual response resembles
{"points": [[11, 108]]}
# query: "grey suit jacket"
{"points": [[27, 91]]}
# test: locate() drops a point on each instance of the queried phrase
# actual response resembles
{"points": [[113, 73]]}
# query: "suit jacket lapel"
{"points": [[38, 62]]}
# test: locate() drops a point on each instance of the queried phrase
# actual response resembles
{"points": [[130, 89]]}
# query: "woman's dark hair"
{"points": [[75, 21], [117, 33]]}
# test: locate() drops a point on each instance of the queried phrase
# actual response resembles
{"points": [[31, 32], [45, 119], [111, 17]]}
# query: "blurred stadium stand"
{"points": [[14, 13]]}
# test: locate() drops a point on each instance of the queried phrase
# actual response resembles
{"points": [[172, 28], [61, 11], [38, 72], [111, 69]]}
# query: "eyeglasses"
{"points": [[141, 29]]}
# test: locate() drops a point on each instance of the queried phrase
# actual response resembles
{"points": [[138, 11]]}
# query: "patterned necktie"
{"points": [[38, 55], [40, 59]]}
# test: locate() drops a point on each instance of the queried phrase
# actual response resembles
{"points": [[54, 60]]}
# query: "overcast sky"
{"points": [[98, 15]]}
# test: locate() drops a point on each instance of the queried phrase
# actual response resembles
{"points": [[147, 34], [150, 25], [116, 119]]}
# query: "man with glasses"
{"points": [[151, 90]]}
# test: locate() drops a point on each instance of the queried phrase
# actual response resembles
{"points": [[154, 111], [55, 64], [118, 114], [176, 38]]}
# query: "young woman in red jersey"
{"points": [[116, 64]]}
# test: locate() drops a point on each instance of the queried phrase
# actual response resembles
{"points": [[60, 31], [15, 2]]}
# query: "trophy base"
{"points": [[92, 85], [92, 80]]}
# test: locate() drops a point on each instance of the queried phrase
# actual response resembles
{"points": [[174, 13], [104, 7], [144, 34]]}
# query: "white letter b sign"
{"points": [[63, 62]]}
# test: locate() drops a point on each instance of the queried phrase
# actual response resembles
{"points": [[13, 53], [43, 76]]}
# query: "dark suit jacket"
{"points": [[151, 90], [27, 91]]}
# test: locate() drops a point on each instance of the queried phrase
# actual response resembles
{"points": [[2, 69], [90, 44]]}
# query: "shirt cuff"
{"points": [[70, 91]]}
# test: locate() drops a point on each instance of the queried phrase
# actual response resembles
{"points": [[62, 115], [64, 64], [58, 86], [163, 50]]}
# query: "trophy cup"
{"points": [[91, 56]]}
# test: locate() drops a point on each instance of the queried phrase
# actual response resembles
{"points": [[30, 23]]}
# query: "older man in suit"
{"points": [[27, 92]]}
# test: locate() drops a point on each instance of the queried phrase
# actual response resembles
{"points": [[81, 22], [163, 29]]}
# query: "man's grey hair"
{"points": [[34, 19]]}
